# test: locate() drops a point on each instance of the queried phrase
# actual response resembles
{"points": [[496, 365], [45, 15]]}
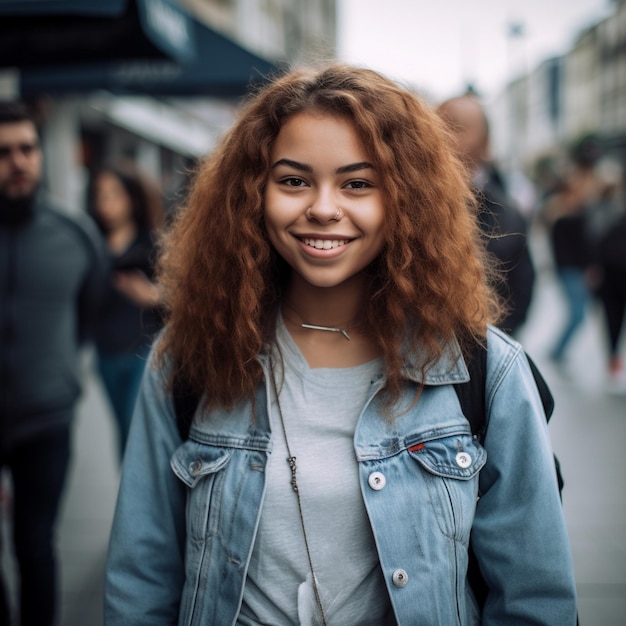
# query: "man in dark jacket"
{"points": [[500, 220], [51, 275]]}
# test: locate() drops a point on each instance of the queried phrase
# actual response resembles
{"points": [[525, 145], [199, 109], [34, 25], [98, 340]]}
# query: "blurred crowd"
{"points": [[578, 202], [581, 205]]}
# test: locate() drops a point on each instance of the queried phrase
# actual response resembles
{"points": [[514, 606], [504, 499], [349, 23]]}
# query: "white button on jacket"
{"points": [[377, 481]]}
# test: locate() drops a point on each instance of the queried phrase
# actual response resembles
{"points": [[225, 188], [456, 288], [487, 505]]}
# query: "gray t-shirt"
{"points": [[320, 408]]}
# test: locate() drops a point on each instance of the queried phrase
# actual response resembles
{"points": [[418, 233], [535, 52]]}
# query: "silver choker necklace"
{"points": [[330, 329]]}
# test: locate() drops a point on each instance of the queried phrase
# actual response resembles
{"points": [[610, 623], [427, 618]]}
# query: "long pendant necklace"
{"points": [[291, 460], [332, 329]]}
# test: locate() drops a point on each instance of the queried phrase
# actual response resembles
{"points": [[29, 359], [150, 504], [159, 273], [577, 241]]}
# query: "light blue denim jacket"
{"points": [[187, 512]]}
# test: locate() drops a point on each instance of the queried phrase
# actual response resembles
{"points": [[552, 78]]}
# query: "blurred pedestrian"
{"points": [[607, 230], [323, 283], [504, 226], [51, 275], [577, 215], [564, 217], [612, 291], [127, 206]]}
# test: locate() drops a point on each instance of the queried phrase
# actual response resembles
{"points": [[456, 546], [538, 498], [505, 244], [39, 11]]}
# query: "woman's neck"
{"points": [[311, 313], [340, 305]]}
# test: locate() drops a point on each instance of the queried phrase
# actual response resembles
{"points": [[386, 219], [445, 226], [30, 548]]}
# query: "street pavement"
{"points": [[588, 432]]}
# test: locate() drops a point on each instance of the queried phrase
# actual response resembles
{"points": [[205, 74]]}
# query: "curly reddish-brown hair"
{"points": [[224, 281]]}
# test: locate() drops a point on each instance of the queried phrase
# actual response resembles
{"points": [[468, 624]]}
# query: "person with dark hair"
{"points": [[324, 285], [128, 208], [502, 223], [52, 268], [564, 216], [567, 214]]}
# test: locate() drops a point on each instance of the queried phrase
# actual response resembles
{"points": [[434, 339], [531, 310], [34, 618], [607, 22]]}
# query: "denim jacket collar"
{"points": [[450, 368]]}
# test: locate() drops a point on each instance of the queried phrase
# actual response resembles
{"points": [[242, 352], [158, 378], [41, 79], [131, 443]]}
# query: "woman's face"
{"points": [[112, 202], [324, 209]]}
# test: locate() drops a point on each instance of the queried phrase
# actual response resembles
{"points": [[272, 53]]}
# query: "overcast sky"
{"points": [[438, 46]]}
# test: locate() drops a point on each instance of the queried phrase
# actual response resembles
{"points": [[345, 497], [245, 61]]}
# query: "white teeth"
{"points": [[324, 244]]}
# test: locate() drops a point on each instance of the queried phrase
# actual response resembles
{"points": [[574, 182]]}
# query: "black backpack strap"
{"points": [[472, 399], [472, 393], [547, 399], [185, 404]]}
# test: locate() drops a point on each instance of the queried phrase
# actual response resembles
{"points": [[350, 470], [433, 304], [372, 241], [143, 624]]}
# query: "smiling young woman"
{"points": [[325, 216], [324, 283]]}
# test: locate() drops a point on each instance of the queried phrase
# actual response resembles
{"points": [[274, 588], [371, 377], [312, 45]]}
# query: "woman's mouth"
{"points": [[324, 244]]}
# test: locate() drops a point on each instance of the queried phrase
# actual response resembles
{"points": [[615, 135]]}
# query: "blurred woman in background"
{"points": [[128, 208]]}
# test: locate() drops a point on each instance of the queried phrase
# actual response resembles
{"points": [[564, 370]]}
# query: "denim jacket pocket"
{"points": [[201, 468], [451, 465], [192, 461]]}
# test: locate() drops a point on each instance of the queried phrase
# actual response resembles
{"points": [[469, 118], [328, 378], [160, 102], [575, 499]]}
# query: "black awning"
{"points": [[41, 33], [220, 67]]}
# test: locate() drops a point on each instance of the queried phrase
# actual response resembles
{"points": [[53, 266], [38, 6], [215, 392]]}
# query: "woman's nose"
{"points": [[325, 209]]}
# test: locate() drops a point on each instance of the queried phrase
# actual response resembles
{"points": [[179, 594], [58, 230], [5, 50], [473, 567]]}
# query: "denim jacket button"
{"points": [[195, 467], [400, 578], [377, 481], [463, 460]]}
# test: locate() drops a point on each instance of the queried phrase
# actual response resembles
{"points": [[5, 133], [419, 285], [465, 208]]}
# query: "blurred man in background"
{"points": [[500, 219], [51, 275]]}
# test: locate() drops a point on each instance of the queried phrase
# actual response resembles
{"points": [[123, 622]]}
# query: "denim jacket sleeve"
{"points": [[519, 534], [145, 567]]}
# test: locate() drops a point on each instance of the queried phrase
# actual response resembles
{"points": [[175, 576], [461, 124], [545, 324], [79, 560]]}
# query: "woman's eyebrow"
{"points": [[344, 169], [303, 167], [354, 167]]}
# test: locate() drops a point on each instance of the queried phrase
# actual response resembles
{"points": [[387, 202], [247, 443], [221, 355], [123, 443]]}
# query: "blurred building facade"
{"points": [[166, 134], [581, 93], [292, 30]]}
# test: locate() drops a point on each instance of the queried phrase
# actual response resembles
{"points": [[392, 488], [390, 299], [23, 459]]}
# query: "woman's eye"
{"points": [[292, 181], [358, 184]]}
